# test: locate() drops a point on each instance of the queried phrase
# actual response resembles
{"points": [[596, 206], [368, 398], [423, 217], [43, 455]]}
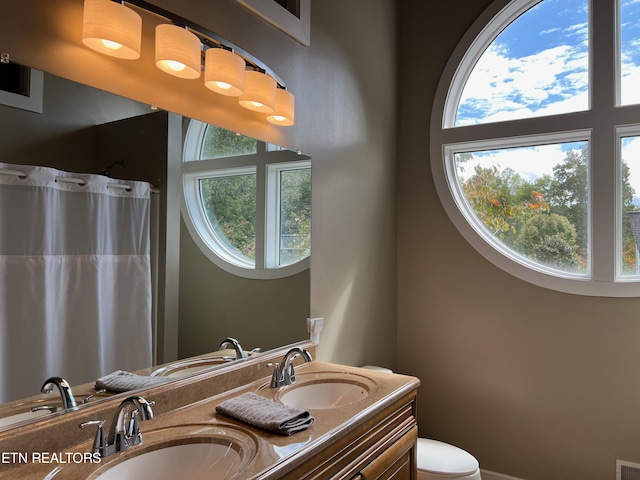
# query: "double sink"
{"points": [[220, 448]]}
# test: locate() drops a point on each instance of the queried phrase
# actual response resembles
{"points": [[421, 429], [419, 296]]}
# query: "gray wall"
{"points": [[215, 304], [350, 133], [345, 120], [537, 384]]}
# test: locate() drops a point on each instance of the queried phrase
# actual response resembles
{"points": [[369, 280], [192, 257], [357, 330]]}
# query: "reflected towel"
{"points": [[121, 381], [266, 414]]}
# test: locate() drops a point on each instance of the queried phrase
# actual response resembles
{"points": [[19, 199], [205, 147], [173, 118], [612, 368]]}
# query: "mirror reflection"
{"points": [[98, 138]]}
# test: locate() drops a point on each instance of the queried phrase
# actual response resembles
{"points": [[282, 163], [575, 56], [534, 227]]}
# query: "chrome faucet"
{"points": [[64, 388], [285, 374], [124, 431], [235, 344]]}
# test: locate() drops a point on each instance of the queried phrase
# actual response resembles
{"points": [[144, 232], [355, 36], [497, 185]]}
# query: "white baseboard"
{"points": [[489, 475]]}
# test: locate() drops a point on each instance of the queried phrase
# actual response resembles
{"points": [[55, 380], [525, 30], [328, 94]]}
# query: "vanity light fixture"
{"points": [[178, 51], [111, 28], [259, 92], [224, 72], [114, 29], [284, 111]]}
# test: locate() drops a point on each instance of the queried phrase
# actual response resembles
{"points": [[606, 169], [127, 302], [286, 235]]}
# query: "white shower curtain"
{"points": [[75, 283]]}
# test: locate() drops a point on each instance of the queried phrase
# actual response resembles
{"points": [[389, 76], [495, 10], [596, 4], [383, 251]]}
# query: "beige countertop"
{"points": [[266, 455]]}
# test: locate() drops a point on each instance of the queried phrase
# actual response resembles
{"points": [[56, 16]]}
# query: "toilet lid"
{"points": [[438, 457]]}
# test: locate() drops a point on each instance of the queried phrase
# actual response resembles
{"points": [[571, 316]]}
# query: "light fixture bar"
{"points": [[206, 34]]}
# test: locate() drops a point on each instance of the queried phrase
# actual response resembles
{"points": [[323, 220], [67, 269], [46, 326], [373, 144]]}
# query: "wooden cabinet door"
{"points": [[395, 463]]}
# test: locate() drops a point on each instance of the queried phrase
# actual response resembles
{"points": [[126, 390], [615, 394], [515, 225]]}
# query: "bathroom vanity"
{"points": [[364, 429]]}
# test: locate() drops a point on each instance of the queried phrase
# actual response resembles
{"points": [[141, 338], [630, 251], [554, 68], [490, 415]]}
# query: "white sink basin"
{"points": [[188, 367], [178, 452], [216, 461], [323, 394]]}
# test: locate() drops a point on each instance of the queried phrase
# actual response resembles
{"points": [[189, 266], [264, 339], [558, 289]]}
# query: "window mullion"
{"points": [[603, 204], [261, 223], [602, 59], [518, 129], [603, 141]]}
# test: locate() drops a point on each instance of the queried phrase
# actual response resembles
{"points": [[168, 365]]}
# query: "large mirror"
{"points": [[198, 303]]}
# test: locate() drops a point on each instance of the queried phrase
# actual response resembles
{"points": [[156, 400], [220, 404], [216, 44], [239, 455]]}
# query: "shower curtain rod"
{"points": [[79, 181]]}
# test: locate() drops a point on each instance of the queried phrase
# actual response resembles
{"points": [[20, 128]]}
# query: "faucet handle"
{"points": [[132, 432], [276, 378], [88, 398], [100, 441]]}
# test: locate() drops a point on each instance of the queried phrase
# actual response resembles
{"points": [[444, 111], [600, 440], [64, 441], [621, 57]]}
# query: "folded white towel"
{"points": [[121, 381], [266, 414]]}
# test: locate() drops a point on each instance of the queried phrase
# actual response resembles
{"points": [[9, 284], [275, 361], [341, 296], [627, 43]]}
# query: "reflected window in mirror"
{"points": [[247, 203], [20, 86]]}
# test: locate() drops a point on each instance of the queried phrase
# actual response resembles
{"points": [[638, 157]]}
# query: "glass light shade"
{"points": [[224, 72], [284, 111], [177, 51], [259, 92], [112, 29]]}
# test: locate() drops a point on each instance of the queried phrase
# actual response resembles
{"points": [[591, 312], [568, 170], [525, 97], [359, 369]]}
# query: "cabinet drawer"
{"points": [[395, 462]]}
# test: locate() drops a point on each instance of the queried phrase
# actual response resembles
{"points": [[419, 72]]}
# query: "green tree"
{"points": [[484, 193], [230, 201], [569, 194], [219, 143], [295, 215], [514, 210], [629, 247], [230, 204], [550, 239], [503, 201]]}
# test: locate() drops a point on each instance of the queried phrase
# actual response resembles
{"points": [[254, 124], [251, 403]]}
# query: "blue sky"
{"points": [[538, 66], [630, 57]]}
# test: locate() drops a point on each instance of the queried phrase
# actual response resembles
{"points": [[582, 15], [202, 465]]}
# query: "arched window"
{"points": [[535, 142], [247, 204]]}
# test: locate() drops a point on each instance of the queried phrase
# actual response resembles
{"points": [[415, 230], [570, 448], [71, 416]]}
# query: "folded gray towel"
{"points": [[266, 414], [121, 381]]}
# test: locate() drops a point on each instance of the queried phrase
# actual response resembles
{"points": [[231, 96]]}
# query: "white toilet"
{"points": [[441, 461]]}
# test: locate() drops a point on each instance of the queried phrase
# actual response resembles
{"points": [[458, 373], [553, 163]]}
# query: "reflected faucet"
{"points": [[235, 344], [285, 374], [124, 431], [64, 388]]}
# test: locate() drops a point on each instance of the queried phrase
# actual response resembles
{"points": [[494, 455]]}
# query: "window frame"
{"points": [[602, 121], [33, 100], [273, 203], [462, 203], [297, 27], [196, 219], [622, 131]]}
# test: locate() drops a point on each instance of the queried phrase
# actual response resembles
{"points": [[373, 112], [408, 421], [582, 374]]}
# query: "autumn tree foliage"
{"points": [[545, 219]]}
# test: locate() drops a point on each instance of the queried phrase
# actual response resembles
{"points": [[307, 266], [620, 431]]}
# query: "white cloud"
{"points": [[529, 162], [630, 94], [501, 87]]}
